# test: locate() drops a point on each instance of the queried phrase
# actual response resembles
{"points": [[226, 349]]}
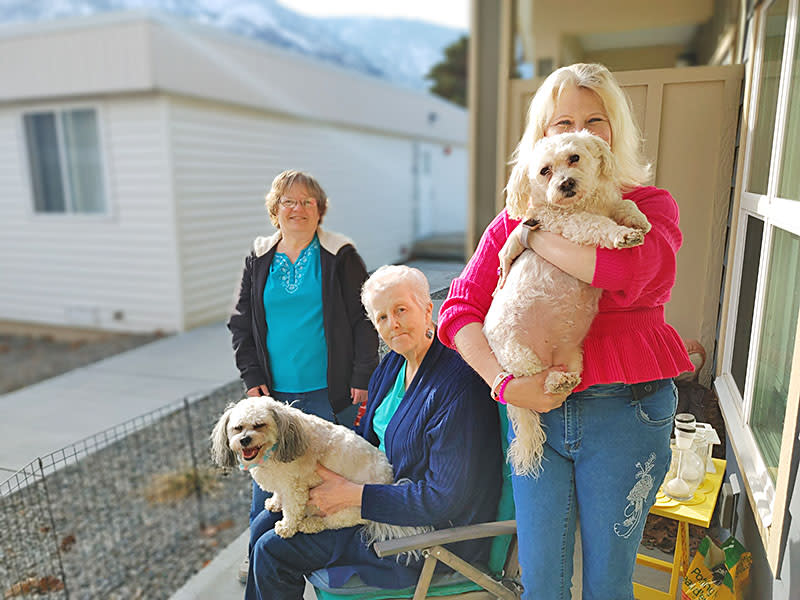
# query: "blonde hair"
{"points": [[626, 139], [281, 185], [390, 275]]}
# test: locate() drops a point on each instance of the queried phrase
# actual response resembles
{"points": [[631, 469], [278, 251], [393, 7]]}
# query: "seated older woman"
{"points": [[433, 416]]}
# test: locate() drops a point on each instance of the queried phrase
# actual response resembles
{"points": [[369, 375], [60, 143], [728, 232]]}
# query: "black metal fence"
{"points": [[130, 512]]}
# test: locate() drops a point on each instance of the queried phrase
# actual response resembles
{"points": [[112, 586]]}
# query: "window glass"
{"points": [[83, 160], [44, 162], [65, 162], [761, 147], [776, 349], [789, 183], [747, 299]]}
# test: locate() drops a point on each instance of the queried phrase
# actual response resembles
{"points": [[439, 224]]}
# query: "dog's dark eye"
{"points": [[258, 426], [545, 171], [237, 428], [573, 159]]}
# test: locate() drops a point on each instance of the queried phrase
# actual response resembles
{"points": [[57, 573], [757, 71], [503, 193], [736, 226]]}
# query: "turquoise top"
{"points": [[388, 406], [298, 353]]}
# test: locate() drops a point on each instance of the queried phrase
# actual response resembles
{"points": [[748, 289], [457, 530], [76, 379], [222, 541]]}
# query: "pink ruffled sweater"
{"points": [[629, 341]]}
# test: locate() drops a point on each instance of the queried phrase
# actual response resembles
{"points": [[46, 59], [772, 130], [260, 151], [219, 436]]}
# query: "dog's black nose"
{"points": [[245, 441], [567, 185]]}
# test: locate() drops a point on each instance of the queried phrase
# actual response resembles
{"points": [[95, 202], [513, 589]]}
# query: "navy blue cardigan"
{"points": [[444, 439]]}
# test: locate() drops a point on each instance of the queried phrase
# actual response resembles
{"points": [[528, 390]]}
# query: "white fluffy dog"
{"points": [[280, 446], [540, 314]]}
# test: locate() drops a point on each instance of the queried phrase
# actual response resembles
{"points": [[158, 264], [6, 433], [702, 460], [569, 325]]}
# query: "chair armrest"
{"points": [[445, 536]]}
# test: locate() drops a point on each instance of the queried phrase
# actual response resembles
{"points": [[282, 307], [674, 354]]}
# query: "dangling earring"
{"points": [[429, 334]]}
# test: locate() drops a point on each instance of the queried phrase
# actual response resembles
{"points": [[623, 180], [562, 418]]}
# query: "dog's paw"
{"points": [[628, 238], [311, 525], [635, 220], [561, 382], [283, 529], [273, 504]]}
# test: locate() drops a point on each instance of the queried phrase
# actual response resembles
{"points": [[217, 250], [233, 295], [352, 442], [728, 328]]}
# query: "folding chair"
{"points": [[497, 579]]}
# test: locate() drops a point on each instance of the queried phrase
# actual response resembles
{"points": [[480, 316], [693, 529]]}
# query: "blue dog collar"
{"points": [[264, 458]]}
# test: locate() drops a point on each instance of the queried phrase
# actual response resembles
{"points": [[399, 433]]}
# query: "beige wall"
{"points": [[629, 59], [549, 30]]}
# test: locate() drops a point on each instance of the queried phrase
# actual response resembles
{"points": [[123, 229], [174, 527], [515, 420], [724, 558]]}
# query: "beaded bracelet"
{"points": [[502, 388]]}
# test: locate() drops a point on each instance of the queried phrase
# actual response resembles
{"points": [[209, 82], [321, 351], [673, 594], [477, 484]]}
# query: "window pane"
{"points": [[84, 168], [775, 353], [747, 299], [45, 166], [761, 149], [789, 184]]}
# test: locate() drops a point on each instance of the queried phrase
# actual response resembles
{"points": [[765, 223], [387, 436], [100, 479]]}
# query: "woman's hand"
{"points": [[358, 395], [528, 392], [335, 493], [259, 390]]}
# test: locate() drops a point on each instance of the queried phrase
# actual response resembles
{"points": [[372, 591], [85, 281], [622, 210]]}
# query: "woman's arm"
{"points": [[628, 272], [525, 392], [452, 464], [574, 259], [240, 326]]}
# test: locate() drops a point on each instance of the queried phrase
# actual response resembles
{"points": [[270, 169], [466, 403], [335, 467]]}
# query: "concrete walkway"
{"points": [[54, 413]]}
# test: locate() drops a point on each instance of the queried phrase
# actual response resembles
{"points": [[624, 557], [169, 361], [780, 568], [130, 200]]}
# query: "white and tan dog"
{"points": [[280, 446], [540, 315]]}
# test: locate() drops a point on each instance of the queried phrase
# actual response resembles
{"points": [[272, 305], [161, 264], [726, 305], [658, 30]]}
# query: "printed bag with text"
{"points": [[717, 573]]}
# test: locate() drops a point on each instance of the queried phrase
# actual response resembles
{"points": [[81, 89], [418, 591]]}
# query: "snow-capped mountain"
{"points": [[399, 50]]}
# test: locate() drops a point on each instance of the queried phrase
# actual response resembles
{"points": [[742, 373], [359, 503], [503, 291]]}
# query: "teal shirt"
{"points": [[388, 406], [298, 352]]}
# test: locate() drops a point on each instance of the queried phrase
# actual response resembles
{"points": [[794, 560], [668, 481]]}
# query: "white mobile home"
{"points": [[136, 152]]}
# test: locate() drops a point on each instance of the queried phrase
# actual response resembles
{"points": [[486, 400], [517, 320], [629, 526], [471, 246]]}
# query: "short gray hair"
{"points": [[390, 275]]}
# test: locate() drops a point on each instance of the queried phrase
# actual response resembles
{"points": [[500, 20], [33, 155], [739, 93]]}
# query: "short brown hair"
{"points": [[282, 183]]}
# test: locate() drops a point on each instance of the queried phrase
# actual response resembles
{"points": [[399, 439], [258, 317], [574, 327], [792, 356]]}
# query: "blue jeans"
{"points": [[605, 458], [315, 403], [277, 565]]}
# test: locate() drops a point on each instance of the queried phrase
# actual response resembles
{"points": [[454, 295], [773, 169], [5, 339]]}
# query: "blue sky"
{"points": [[453, 13]]}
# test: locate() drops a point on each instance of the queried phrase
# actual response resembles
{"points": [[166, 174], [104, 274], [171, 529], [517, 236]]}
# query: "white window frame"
{"points": [[768, 499], [69, 210]]}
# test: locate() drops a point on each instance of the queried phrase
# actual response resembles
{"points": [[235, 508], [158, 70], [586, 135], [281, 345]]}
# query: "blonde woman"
{"points": [[607, 447]]}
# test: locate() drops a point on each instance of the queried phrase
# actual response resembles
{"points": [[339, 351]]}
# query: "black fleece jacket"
{"points": [[352, 340]]}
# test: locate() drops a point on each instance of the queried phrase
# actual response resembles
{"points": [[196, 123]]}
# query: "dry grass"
{"points": [[177, 485]]}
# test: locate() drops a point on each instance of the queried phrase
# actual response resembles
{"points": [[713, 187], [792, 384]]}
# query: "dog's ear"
{"points": [[221, 452], [292, 442], [518, 190], [608, 164]]}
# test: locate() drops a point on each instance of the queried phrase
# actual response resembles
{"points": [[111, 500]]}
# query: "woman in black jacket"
{"points": [[300, 332]]}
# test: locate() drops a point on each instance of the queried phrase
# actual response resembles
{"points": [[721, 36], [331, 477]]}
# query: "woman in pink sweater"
{"points": [[607, 447]]}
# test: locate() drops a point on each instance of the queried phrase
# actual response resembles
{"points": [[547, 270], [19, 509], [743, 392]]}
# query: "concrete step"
{"points": [[444, 246]]}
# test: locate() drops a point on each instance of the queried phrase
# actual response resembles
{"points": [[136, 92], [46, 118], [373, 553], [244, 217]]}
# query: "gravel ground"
{"points": [[26, 360], [131, 513]]}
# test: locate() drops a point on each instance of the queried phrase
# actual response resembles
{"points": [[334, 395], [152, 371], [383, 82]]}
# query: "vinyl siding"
{"points": [[114, 271], [224, 160]]}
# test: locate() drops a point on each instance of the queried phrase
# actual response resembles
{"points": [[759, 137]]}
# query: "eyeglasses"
{"points": [[291, 202]]}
